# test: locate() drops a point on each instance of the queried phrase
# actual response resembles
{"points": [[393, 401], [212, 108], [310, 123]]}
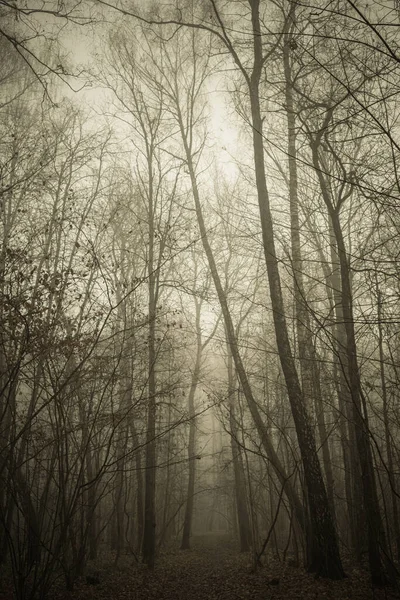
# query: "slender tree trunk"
{"points": [[352, 469], [91, 507], [231, 336], [139, 486], [310, 375], [8, 380], [166, 488], [375, 530], [7, 431], [89, 495], [187, 522], [388, 442], [243, 517], [119, 517], [149, 533], [324, 555]]}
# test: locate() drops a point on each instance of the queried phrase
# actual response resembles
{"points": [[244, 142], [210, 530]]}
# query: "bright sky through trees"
{"points": [[199, 299]]}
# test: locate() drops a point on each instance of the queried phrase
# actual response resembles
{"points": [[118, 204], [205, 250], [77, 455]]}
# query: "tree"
{"points": [[191, 155]]}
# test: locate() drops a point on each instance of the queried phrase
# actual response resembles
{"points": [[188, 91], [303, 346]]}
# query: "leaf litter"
{"points": [[216, 571]]}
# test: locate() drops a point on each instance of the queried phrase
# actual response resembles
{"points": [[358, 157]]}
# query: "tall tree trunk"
{"points": [[232, 340], [388, 442], [139, 485], [187, 522], [375, 530], [243, 517], [324, 555], [91, 507], [310, 374], [149, 533], [352, 469]]}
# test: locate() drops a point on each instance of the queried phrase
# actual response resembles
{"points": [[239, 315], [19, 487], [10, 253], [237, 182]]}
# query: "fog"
{"points": [[199, 299]]}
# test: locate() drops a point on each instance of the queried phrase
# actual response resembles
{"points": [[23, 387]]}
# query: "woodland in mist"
{"points": [[199, 299]]}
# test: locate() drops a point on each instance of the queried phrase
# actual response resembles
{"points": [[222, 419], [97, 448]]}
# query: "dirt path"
{"points": [[214, 570]]}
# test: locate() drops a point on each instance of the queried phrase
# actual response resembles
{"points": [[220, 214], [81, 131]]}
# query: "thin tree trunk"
{"points": [[388, 443], [149, 533], [187, 522], [238, 469], [139, 486], [352, 469], [232, 340], [324, 557], [311, 385], [91, 507], [376, 535]]}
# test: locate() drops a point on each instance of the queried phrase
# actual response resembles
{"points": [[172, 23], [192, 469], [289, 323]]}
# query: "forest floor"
{"points": [[214, 570]]}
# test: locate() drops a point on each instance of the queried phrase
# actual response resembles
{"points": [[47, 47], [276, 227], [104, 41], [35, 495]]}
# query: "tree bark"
{"points": [[243, 517], [324, 555], [187, 522], [388, 441], [375, 530], [310, 374], [352, 469], [232, 341], [149, 533]]}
